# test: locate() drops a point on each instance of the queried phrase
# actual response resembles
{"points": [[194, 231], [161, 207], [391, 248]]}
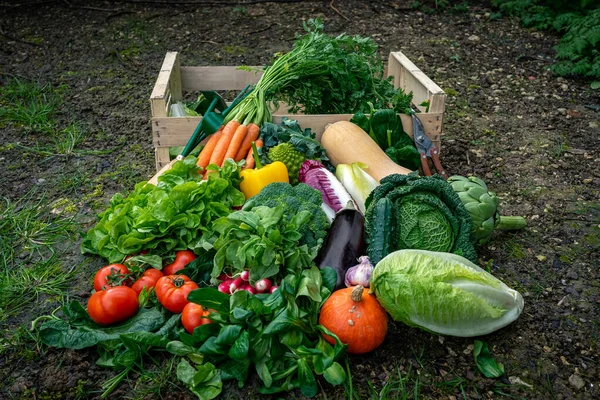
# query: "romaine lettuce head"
{"points": [[443, 293]]}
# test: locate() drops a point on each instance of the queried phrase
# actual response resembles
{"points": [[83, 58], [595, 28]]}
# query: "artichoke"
{"points": [[484, 208]]}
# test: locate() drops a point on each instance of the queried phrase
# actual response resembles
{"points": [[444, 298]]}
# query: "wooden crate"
{"points": [[174, 80]]}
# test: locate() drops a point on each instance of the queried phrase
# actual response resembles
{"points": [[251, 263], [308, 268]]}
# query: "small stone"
{"points": [[515, 380], [576, 381], [547, 349], [564, 87], [562, 111], [572, 275], [530, 98], [474, 38], [587, 181], [451, 352], [594, 125], [563, 359], [468, 350], [541, 257]]}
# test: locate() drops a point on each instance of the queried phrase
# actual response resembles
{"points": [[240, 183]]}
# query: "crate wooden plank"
{"points": [[169, 132], [161, 93], [217, 78], [410, 78]]}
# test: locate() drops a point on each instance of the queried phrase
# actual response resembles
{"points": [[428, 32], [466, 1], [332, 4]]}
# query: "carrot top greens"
{"points": [[323, 74]]}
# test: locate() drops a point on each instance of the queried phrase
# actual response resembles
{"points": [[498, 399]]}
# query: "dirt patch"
{"points": [[508, 120]]}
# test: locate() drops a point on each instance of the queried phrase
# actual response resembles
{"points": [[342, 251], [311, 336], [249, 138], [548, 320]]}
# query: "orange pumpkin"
{"points": [[356, 317]]}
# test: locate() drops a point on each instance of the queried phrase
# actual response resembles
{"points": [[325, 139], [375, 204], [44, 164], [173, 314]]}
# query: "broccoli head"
{"points": [[295, 199], [292, 158]]}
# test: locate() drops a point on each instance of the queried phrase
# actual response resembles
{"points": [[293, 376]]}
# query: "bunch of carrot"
{"points": [[233, 140]]}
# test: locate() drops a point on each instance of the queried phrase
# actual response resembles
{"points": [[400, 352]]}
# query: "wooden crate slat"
{"points": [[410, 78], [169, 132], [217, 78]]}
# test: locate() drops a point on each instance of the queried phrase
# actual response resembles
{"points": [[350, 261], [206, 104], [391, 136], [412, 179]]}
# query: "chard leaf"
{"points": [[61, 334], [307, 381], [239, 349], [335, 374], [210, 298], [485, 362]]}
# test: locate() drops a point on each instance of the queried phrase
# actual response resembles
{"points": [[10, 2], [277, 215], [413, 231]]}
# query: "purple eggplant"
{"points": [[344, 243]]}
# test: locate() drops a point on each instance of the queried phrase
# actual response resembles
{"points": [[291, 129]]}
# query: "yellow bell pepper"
{"points": [[256, 179]]}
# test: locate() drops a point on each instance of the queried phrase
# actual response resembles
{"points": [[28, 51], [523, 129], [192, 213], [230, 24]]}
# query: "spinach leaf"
{"points": [[485, 362], [81, 334]]}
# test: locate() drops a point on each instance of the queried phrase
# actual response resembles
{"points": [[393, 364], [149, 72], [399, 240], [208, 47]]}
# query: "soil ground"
{"points": [[534, 138]]}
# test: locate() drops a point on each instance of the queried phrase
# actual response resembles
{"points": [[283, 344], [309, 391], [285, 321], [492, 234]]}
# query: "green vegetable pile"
{"points": [[289, 133], [263, 241], [166, 217], [422, 213], [295, 199], [277, 336]]}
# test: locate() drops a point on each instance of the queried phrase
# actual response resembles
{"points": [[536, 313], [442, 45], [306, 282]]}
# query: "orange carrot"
{"points": [[207, 150], [250, 158], [251, 136], [218, 155], [236, 142]]}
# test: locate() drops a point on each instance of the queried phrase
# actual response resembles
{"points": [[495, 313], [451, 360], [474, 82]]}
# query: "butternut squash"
{"points": [[346, 143]]}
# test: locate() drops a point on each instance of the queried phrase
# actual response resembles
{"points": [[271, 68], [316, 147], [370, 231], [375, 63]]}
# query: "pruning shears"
{"points": [[426, 148]]}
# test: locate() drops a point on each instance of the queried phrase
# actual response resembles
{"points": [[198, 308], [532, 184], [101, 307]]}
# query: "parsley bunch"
{"points": [[330, 75]]}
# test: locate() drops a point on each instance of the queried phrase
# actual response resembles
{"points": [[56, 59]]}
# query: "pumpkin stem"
{"points": [[357, 293]]}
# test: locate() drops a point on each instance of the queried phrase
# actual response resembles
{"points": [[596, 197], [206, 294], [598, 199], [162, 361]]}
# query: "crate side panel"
{"points": [[217, 78]]}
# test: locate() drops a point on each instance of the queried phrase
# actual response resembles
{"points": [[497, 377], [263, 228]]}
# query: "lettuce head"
{"points": [[443, 293]]}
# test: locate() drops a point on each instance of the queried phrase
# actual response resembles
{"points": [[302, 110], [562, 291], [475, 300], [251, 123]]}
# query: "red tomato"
{"points": [[194, 315], [172, 291], [147, 280], [111, 275], [182, 258], [112, 305]]}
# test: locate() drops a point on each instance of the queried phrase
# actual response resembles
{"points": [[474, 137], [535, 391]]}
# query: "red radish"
{"points": [[236, 284], [273, 288], [263, 285], [245, 275], [223, 277], [224, 286], [250, 289]]}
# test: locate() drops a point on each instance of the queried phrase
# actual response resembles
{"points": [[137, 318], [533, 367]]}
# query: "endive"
{"points": [[443, 293]]}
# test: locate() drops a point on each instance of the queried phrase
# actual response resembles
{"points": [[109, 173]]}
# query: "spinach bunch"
{"points": [[263, 241], [277, 336]]}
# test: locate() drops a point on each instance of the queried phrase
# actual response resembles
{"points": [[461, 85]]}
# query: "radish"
{"points": [[235, 285], [245, 275], [263, 285], [224, 287], [273, 288], [223, 277], [250, 289]]}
